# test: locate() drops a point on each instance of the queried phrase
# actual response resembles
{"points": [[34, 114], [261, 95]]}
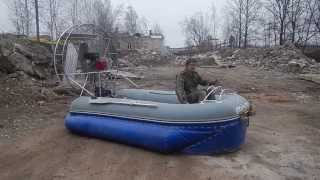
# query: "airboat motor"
{"points": [[81, 60]]}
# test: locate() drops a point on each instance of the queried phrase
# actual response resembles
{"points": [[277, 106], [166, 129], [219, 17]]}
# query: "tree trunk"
{"points": [[293, 24], [281, 32], [27, 18], [246, 24], [37, 20], [293, 35], [240, 27]]}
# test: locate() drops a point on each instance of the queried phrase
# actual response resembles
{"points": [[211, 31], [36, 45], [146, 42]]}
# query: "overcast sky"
{"points": [[5, 24], [167, 13]]}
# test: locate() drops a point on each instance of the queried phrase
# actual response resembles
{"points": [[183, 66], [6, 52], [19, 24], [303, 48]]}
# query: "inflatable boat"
{"points": [[155, 120]]}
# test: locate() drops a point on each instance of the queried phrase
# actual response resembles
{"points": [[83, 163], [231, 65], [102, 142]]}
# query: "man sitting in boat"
{"points": [[187, 84]]}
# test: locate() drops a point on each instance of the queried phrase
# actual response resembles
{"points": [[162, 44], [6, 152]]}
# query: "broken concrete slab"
{"points": [[40, 72], [67, 90], [20, 54], [23, 50], [296, 66], [311, 77], [208, 58], [124, 63], [286, 59], [20, 62], [37, 54], [5, 65], [125, 74]]}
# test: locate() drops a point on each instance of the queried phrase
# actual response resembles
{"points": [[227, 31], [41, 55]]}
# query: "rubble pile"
{"points": [[19, 89], [208, 58], [142, 57], [20, 54], [281, 58]]}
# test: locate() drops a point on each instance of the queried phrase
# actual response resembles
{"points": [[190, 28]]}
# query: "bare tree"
{"points": [[101, 13], [106, 16], [156, 29], [236, 9], [229, 25], [144, 25], [240, 7], [295, 12], [244, 15], [213, 16], [280, 11], [252, 8], [27, 16], [282, 20], [74, 12], [86, 7], [51, 15], [268, 32], [36, 7], [196, 29], [308, 28], [21, 15], [131, 20], [316, 18], [17, 17]]}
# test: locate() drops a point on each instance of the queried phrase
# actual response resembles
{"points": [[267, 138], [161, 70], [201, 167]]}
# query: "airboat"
{"points": [[150, 119]]}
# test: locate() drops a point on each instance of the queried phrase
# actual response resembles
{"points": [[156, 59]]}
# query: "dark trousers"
{"points": [[196, 96]]}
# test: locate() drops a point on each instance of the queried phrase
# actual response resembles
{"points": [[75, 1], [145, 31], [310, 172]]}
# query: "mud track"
{"points": [[282, 140]]}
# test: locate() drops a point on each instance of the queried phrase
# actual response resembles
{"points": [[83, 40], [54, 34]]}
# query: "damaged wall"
{"points": [[124, 42]]}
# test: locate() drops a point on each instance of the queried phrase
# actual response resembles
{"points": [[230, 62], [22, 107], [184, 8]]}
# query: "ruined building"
{"points": [[127, 42]]}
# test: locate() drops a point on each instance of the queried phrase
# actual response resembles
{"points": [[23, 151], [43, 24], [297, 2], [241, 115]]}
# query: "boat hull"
{"points": [[203, 138]]}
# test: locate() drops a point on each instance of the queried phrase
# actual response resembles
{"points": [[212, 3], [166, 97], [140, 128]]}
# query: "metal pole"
{"points": [[37, 20]]}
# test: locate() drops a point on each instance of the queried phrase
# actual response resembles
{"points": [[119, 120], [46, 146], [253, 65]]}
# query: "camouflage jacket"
{"points": [[186, 82]]}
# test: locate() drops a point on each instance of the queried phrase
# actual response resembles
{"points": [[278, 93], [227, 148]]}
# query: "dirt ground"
{"points": [[282, 139]]}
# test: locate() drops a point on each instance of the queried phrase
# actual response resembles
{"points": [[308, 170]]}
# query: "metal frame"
{"points": [[213, 91], [65, 37], [68, 33]]}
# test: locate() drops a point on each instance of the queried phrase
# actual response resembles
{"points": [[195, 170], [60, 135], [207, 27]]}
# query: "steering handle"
{"points": [[212, 91]]}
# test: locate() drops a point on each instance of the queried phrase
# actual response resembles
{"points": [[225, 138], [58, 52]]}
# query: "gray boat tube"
{"points": [[162, 106]]}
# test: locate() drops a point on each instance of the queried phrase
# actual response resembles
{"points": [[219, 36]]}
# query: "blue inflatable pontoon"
{"points": [[156, 121]]}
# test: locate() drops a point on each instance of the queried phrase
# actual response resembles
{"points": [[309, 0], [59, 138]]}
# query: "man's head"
{"points": [[191, 65]]}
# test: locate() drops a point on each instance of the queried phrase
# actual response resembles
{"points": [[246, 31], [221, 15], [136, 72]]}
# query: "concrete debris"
{"points": [[36, 53], [125, 74], [311, 77], [286, 59], [297, 65], [21, 63], [41, 103], [209, 58], [141, 68], [19, 89], [23, 55], [124, 63], [143, 57], [67, 90], [5, 66], [5, 52]]}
